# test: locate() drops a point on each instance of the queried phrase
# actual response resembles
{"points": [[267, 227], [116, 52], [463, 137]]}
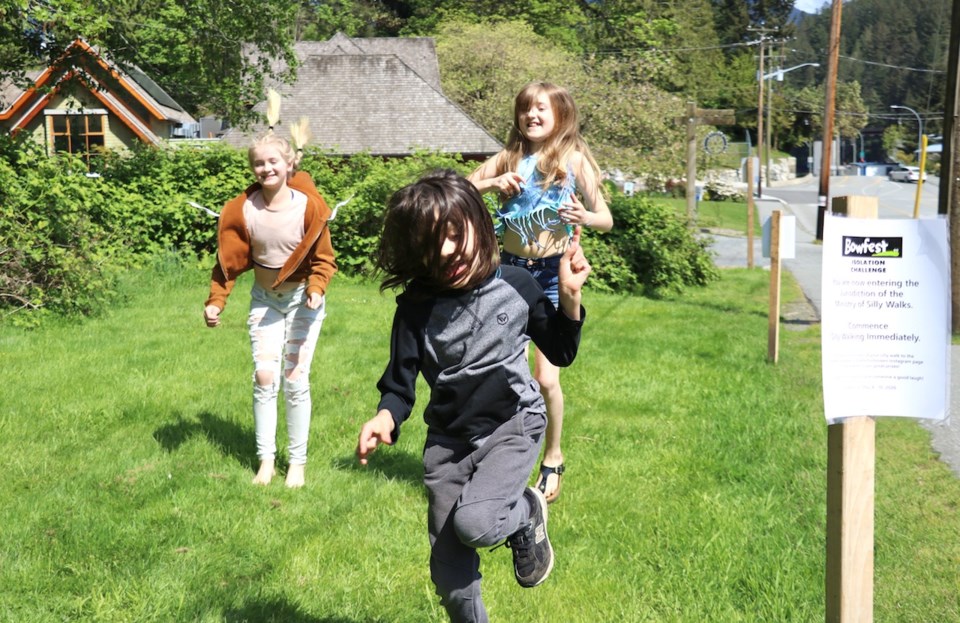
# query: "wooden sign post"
{"points": [[694, 117], [851, 465], [750, 210], [773, 315]]}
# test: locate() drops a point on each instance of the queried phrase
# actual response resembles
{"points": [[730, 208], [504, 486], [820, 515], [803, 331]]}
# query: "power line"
{"points": [[901, 67]]}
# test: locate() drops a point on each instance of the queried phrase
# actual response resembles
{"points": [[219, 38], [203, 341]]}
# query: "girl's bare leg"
{"points": [[548, 376]]}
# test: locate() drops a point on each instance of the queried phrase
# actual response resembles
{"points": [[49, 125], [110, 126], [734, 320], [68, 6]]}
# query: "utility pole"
{"points": [[950, 163], [768, 143], [763, 31], [828, 113], [760, 123]]}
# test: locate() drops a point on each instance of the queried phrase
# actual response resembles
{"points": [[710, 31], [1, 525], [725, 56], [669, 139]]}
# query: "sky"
{"points": [[809, 6]]}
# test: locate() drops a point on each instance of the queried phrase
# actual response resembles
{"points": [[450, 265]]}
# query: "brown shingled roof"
{"points": [[380, 96]]}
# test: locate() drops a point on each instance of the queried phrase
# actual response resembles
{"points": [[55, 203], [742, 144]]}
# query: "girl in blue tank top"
{"points": [[547, 182]]}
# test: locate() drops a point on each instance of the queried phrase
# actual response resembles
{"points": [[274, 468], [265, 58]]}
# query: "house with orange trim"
{"points": [[84, 103]]}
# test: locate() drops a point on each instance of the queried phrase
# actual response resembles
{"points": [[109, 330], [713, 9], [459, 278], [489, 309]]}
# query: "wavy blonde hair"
{"points": [[291, 151], [554, 155]]}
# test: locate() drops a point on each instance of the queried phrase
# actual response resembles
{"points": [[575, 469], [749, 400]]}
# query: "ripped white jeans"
{"points": [[282, 328]]}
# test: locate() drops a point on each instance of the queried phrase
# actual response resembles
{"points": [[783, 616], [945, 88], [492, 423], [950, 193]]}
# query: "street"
{"points": [[897, 199]]}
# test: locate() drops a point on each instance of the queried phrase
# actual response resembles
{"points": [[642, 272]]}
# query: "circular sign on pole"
{"points": [[715, 143]]}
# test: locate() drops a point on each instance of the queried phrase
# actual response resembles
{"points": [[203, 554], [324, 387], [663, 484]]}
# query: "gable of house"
{"points": [[83, 102], [380, 96]]}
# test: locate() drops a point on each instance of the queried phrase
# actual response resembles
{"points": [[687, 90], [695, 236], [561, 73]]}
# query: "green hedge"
{"points": [[65, 235]]}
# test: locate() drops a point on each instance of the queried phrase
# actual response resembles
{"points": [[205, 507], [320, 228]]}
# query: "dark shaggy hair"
{"points": [[416, 224]]}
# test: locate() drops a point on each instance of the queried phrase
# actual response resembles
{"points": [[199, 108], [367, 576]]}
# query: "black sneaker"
{"points": [[532, 554]]}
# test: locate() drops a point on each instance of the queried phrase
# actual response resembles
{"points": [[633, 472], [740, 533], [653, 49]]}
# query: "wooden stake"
{"points": [[691, 163], [851, 460], [851, 464], [749, 210], [773, 316]]}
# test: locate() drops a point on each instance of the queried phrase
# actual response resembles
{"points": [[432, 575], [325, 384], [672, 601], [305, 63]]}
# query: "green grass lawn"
{"points": [[695, 488], [727, 215]]}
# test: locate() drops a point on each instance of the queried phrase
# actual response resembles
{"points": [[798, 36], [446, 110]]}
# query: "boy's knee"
{"points": [[476, 525]]}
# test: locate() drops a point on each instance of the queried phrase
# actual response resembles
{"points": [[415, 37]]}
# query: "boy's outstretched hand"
{"points": [[377, 430], [573, 272]]}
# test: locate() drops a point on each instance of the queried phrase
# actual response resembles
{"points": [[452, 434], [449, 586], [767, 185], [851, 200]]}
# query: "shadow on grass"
{"points": [[275, 612], [234, 441], [386, 463]]}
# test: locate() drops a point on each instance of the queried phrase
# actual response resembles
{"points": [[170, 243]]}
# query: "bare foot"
{"points": [[295, 477], [265, 473]]}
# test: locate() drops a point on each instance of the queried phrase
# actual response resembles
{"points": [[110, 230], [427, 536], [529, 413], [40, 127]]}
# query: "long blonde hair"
{"points": [[299, 134], [554, 155]]}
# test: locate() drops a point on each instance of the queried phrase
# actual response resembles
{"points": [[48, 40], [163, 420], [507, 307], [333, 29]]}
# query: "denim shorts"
{"points": [[546, 270]]}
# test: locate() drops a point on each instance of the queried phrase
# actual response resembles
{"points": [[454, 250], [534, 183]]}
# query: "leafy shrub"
{"points": [[367, 182], [650, 250], [64, 236], [719, 189], [55, 254]]}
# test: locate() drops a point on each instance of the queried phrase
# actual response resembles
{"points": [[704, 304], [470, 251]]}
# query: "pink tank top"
{"points": [[274, 235]]}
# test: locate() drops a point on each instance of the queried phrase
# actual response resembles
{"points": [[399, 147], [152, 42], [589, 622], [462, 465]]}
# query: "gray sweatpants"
{"points": [[476, 500]]}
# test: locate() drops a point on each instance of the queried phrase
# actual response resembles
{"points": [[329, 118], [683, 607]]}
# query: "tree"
{"points": [[210, 55], [896, 50], [628, 122], [485, 64], [850, 111]]}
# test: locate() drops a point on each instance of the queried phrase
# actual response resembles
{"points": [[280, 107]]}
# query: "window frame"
{"points": [[90, 139]]}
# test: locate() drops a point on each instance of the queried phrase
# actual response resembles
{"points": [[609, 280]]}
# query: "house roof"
{"points": [[22, 105], [417, 53], [363, 95]]}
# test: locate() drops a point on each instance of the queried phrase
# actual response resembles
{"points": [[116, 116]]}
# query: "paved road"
{"points": [[799, 199]]}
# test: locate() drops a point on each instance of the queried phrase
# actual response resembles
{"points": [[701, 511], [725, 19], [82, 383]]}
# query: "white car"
{"points": [[903, 173]]}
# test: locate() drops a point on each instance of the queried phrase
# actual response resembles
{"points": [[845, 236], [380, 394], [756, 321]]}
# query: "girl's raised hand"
{"points": [[509, 183], [573, 212]]}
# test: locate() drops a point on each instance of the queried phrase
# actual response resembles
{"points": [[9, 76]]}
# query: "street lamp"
{"points": [[779, 74], [919, 124]]}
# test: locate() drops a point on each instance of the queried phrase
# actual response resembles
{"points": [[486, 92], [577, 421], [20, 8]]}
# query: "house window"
{"points": [[81, 133]]}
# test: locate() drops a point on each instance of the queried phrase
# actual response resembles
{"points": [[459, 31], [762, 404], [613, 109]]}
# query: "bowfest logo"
{"points": [[858, 246]]}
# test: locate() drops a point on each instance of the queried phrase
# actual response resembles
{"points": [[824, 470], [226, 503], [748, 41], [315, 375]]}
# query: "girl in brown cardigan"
{"points": [[277, 227]]}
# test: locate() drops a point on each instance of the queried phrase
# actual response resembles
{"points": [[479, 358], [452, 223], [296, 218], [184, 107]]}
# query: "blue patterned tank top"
{"points": [[535, 209]]}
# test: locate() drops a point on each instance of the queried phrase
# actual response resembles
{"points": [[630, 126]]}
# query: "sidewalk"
{"points": [[730, 251]]}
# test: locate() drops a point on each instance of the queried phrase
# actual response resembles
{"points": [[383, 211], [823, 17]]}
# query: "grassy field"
{"points": [[695, 488], [726, 215]]}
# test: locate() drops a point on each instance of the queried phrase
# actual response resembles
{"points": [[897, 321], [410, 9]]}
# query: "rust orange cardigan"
{"points": [[312, 261]]}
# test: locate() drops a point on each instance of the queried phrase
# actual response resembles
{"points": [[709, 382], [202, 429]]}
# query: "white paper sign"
{"points": [[886, 317], [788, 237]]}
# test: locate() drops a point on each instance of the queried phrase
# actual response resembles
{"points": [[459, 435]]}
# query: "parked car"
{"points": [[903, 173]]}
